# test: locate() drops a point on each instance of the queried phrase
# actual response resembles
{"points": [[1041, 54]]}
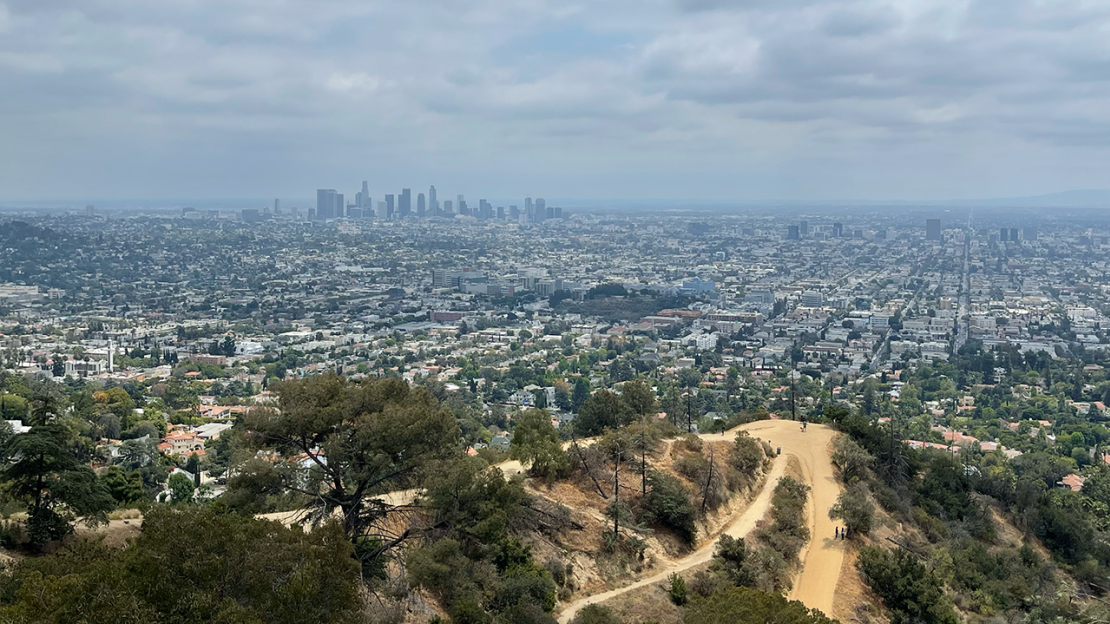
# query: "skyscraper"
{"points": [[404, 206], [541, 209], [485, 209], [838, 230], [433, 203], [340, 209], [792, 232], [277, 207], [448, 208], [365, 197], [932, 229], [803, 229], [420, 205], [325, 203], [1030, 232], [528, 210], [389, 207], [90, 210]]}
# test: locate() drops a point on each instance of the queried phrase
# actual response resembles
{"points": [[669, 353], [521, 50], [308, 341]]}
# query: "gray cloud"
{"points": [[697, 98]]}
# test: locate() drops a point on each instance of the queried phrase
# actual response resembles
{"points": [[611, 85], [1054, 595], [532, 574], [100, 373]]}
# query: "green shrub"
{"points": [[668, 504], [678, 589], [909, 589]]}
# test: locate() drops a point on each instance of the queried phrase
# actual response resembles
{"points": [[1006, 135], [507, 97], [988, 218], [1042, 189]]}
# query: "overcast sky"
{"points": [[699, 99]]}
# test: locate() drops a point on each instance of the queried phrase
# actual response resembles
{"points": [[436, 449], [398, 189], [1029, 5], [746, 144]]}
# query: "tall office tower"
{"points": [[932, 229], [90, 210], [433, 203], [541, 209], [514, 213], [277, 206], [463, 210], [485, 210], [500, 213], [365, 196], [528, 210], [325, 203], [803, 229], [792, 233], [340, 209], [551, 212], [838, 230], [448, 208], [1030, 233], [558, 212], [420, 210], [404, 203], [1004, 234], [381, 210], [389, 207]]}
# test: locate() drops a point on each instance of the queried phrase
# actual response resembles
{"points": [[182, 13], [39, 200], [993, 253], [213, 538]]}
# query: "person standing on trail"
{"points": [[836, 531]]}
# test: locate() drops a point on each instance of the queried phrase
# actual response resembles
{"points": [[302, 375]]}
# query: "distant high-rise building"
{"points": [[404, 203], [1004, 235], [541, 209], [326, 203], [463, 210], [529, 210], [514, 213], [365, 196], [485, 210], [433, 203], [558, 212], [340, 209], [1030, 232], [803, 228], [420, 205], [500, 213], [838, 230], [932, 229], [382, 212], [90, 210], [389, 211], [448, 208], [792, 232]]}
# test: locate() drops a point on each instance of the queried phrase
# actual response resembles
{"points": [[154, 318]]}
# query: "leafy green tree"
{"points": [[740, 605], [56, 485], [603, 410], [346, 444], [536, 442], [909, 589], [639, 399], [730, 561], [668, 504], [580, 393], [192, 565], [181, 488], [855, 508], [125, 487], [852, 459], [13, 407]]}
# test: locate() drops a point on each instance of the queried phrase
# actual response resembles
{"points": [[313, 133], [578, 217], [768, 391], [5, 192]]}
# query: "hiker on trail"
{"points": [[837, 531]]}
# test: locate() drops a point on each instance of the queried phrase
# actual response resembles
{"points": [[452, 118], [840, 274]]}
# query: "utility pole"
{"points": [[793, 406], [617, 493]]}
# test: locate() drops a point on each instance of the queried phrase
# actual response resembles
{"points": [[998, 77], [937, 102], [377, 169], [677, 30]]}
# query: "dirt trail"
{"points": [[823, 555]]}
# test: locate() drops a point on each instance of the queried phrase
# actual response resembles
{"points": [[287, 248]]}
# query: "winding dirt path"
{"points": [[823, 555]]}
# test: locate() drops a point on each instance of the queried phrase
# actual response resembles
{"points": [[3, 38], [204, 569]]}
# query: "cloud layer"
{"points": [[707, 99]]}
